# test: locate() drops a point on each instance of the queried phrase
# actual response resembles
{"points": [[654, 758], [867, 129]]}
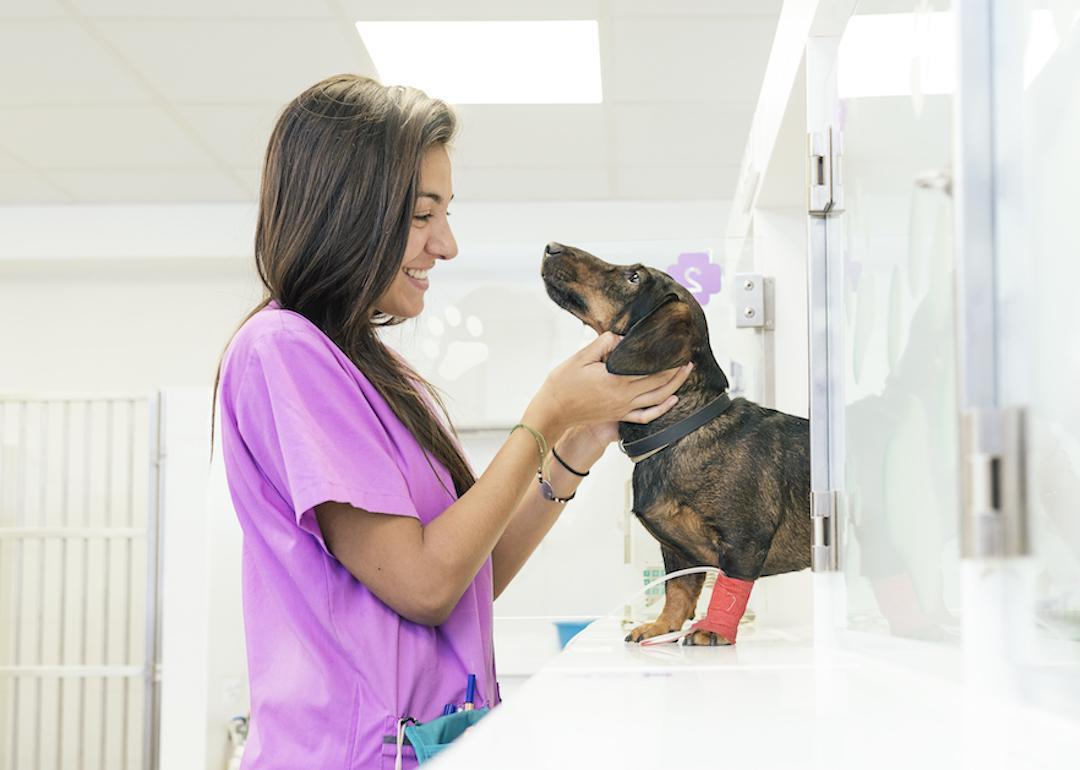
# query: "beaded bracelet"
{"points": [[545, 487]]}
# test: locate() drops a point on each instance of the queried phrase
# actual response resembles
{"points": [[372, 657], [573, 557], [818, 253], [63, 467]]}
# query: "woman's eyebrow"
{"points": [[434, 196]]}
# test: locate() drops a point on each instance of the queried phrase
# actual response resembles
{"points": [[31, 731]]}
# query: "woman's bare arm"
{"points": [[422, 571]]}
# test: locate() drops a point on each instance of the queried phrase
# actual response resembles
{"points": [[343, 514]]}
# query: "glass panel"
{"points": [[1038, 271], [900, 544]]}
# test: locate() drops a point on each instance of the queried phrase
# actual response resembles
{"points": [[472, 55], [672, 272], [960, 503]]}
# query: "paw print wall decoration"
{"points": [[695, 271], [457, 340]]}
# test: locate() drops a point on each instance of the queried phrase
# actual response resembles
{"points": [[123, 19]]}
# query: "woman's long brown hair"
{"points": [[338, 188]]}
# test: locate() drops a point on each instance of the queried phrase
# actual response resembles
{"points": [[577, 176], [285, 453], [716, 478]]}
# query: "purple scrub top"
{"points": [[332, 667]]}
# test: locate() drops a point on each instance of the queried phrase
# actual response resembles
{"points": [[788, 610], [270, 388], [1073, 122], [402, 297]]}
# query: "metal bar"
{"points": [[127, 570], [85, 576], [3, 501], [71, 533], [20, 517], [986, 137], [824, 301], [152, 695], [3, 491], [822, 385], [72, 671], [64, 520], [974, 193], [43, 437], [106, 594], [71, 398]]}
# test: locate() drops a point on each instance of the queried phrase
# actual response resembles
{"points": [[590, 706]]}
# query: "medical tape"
{"points": [[726, 607]]}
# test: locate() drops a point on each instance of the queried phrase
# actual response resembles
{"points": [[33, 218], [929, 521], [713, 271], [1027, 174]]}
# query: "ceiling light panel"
{"points": [[489, 62]]}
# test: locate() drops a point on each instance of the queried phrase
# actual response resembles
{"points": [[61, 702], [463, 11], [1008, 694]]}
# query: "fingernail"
{"points": [[674, 400]]}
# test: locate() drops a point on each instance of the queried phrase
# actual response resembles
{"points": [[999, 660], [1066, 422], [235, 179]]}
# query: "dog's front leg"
{"points": [[680, 599]]}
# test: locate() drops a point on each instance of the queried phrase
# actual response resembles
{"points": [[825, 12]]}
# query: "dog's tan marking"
{"points": [[601, 309], [680, 599]]}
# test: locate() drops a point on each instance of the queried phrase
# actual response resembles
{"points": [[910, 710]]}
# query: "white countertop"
{"points": [[772, 701]]}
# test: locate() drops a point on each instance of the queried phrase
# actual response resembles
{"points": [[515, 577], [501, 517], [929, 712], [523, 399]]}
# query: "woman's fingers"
{"points": [[649, 414], [657, 391], [599, 349]]}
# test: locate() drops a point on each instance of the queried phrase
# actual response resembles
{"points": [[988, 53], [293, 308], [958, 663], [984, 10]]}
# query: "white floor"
{"points": [[772, 701]]}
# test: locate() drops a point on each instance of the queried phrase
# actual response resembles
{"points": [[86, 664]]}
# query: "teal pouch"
{"points": [[429, 738]]}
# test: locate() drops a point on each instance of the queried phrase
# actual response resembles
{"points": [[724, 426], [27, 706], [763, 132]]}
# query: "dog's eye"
{"points": [[632, 276]]}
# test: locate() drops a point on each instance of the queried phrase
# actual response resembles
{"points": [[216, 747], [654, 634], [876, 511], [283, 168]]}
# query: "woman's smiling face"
{"points": [[430, 239]]}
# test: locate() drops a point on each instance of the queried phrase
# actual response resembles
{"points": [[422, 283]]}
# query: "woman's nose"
{"points": [[445, 244]]}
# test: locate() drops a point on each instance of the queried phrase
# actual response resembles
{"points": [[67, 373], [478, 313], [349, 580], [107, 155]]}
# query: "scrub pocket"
{"points": [[423, 741]]}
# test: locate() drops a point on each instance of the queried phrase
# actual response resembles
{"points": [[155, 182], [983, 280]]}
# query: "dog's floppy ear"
{"points": [[662, 340]]}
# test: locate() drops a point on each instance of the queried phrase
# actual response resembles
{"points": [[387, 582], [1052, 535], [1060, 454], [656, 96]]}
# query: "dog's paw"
{"points": [[701, 638], [648, 631]]}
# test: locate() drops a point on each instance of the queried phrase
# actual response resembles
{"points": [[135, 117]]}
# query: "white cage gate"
{"points": [[79, 567]]}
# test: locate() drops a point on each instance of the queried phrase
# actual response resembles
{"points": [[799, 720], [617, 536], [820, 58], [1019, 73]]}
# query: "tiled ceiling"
{"points": [[145, 101]]}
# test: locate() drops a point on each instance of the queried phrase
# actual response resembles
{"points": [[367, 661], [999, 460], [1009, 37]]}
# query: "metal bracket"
{"points": [[825, 190], [753, 301], [994, 500], [824, 515]]}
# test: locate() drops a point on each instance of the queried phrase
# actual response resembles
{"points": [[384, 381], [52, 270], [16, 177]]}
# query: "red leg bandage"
{"points": [[726, 607]]}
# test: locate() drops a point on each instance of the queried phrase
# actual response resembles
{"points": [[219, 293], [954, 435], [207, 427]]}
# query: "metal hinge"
{"points": [[993, 521], [824, 515], [826, 190]]}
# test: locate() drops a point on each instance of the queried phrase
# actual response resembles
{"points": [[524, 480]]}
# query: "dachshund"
{"points": [[734, 491]]}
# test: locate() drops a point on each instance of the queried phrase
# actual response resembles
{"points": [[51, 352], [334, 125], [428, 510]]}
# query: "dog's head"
{"points": [[662, 324]]}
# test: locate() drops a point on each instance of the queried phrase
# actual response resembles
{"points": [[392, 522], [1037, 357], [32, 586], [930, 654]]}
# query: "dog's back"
{"points": [[747, 475]]}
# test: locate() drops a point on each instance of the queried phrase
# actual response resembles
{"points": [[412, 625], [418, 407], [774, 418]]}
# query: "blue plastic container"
{"points": [[568, 629]]}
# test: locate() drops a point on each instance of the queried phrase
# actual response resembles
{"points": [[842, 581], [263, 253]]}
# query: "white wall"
{"points": [[105, 298]]}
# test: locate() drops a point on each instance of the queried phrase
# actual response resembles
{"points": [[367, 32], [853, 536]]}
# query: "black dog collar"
{"points": [[646, 447]]}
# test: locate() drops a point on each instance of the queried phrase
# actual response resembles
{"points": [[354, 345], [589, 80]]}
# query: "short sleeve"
{"points": [[311, 429]]}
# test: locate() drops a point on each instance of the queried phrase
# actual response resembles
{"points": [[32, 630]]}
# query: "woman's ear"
{"points": [[664, 340]]}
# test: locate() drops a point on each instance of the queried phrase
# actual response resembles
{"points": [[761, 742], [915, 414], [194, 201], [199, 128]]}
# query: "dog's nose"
{"points": [[552, 249]]}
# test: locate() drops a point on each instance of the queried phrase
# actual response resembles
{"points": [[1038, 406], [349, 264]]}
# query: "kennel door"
{"points": [[78, 582]]}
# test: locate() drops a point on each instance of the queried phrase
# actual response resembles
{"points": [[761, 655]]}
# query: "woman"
{"points": [[371, 554]]}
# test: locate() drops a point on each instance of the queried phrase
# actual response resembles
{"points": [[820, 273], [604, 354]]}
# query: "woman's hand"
{"points": [[601, 434], [580, 391]]}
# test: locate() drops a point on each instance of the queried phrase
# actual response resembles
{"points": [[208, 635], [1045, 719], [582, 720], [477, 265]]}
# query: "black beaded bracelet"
{"points": [[562, 462]]}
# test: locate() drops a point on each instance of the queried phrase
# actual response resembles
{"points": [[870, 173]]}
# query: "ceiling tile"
{"points": [[9, 162], [98, 137], [520, 135], [676, 182], [474, 10], [672, 60], [709, 133], [237, 132], [67, 66], [254, 61], [173, 186], [526, 183], [28, 187], [695, 8], [31, 9], [201, 9]]}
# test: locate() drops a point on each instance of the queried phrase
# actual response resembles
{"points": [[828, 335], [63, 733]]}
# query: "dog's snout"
{"points": [[552, 249]]}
